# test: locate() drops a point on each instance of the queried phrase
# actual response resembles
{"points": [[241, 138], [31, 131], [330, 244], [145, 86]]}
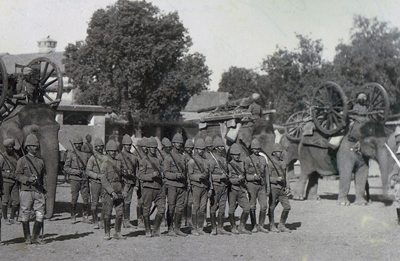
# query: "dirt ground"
{"points": [[321, 230]]}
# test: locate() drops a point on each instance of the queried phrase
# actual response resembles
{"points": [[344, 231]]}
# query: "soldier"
{"points": [[166, 147], [31, 172], [140, 154], [238, 192], [257, 177], [130, 164], [198, 172], [75, 166], [176, 184], [150, 175], [189, 146], [8, 163], [112, 183], [94, 173], [209, 147], [279, 189], [219, 175]]}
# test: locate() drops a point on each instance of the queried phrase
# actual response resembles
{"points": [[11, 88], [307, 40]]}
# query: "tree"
{"points": [[136, 58], [373, 55], [239, 82]]}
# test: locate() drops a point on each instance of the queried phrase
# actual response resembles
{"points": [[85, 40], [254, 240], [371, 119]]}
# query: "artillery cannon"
{"points": [[330, 109], [29, 84]]}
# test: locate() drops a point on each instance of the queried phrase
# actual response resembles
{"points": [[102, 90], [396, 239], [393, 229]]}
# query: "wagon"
{"points": [[30, 83], [330, 109]]}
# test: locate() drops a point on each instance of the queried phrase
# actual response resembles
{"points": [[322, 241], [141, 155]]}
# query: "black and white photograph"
{"points": [[199, 130]]}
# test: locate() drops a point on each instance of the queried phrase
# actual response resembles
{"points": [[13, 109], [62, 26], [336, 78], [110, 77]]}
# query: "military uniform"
{"points": [[278, 192], [139, 154], [130, 164], [112, 183], [94, 173], [176, 185], [218, 172], [189, 145], [75, 167], [31, 173], [237, 192], [256, 170], [8, 163], [150, 175]]}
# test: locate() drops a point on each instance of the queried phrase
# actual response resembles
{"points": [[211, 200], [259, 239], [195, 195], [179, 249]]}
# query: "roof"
{"points": [[206, 99], [83, 108], [23, 59]]}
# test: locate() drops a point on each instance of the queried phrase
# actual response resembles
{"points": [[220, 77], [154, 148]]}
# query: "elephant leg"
{"points": [[299, 187], [312, 187], [361, 177], [345, 166]]}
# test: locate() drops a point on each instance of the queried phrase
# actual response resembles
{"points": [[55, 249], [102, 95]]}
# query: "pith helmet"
{"points": [[111, 145], [126, 140], [31, 140], [152, 143], [77, 140], [166, 142], [9, 142], [98, 142], [218, 142], [208, 141], [255, 144], [145, 142], [189, 144], [177, 138], [199, 144], [235, 149]]}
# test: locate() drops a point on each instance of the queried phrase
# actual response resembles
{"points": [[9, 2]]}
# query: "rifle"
{"points": [[79, 160], [138, 152], [162, 157], [95, 158]]}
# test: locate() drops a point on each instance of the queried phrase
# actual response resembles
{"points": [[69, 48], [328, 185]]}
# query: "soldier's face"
{"points": [[200, 152], [78, 146], [256, 151], [10, 149], [112, 153], [236, 157], [178, 145], [153, 150], [167, 149], [145, 149], [278, 155], [99, 149], [33, 149], [189, 150], [127, 147], [220, 149]]}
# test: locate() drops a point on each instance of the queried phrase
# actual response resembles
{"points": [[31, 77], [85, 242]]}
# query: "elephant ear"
{"points": [[369, 146], [373, 129]]}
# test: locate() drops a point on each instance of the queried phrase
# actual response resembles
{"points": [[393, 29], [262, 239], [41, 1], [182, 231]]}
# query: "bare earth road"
{"points": [[321, 231]]}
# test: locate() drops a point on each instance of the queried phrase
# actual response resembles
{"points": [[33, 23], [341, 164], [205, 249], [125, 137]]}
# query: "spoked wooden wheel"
{"points": [[329, 108], [295, 123], [377, 102], [48, 81], [4, 87]]}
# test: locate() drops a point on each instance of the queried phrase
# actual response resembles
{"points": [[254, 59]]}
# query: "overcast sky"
{"points": [[228, 32]]}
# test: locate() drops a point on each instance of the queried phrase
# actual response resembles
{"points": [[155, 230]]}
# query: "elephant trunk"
{"points": [[50, 154]]}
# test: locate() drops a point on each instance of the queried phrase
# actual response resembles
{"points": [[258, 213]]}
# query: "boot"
{"points": [[253, 220], [272, 226], [107, 228], [101, 220], [118, 224], [243, 219], [86, 214], [146, 220], [140, 217], [200, 223], [233, 224], [36, 232], [73, 213], [170, 221], [4, 210], [261, 220], [221, 229], [194, 225], [14, 210], [281, 226], [127, 216], [189, 216], [398, 216], [213, 218], [95, 219], [177, 224], [157, 224], [27, 232]]}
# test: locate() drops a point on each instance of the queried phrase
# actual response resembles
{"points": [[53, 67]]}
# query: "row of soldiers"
{"points": [[176, 178]]}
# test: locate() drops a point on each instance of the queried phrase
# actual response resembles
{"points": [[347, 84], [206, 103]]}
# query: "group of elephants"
{"points": [[40, 119]]}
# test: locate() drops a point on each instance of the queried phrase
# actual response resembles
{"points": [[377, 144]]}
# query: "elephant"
{"points": [[40, 120], [320, 158]]}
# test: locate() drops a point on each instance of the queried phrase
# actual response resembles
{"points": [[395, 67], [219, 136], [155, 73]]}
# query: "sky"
{"points": [[228, 32]]}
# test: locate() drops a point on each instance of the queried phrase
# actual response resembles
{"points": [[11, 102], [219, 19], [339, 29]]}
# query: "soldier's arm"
{"points": [[191, 168], [89, 168], [104, 181], [266, 175], [44, 176], [167, 170], [68, 166], [143, 175], [247, 165], [215, 177], [19, 172], [5, 173]]}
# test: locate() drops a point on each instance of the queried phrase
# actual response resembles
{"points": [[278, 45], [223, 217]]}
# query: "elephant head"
{"points": [[40, 120]]}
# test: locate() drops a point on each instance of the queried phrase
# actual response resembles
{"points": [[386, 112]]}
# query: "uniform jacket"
{"points": [[31, 166], [216, 172], [93, 165], [250, 169], [199, 177], [75, 165], [175, 175], [111, 179], [8, 165], [276, 174], [236, 168], [149, 175], [130, 163]]}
